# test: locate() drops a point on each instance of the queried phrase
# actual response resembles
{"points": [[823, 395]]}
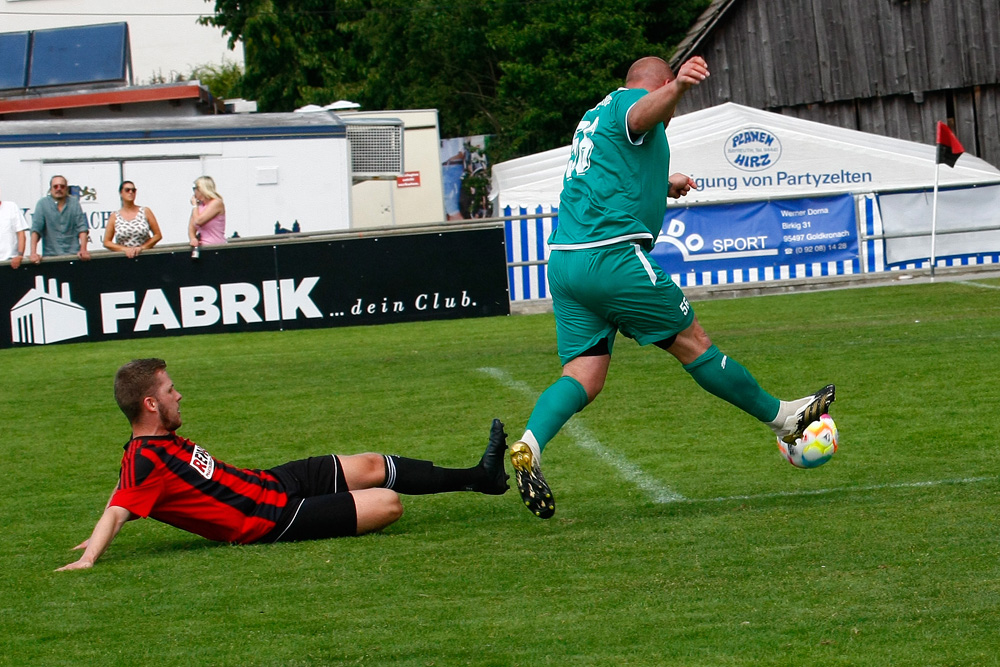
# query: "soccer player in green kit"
{"points": [[603, 280]]}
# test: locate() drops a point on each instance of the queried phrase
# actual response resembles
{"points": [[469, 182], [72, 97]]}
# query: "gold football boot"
{"points": [[535, 491]]}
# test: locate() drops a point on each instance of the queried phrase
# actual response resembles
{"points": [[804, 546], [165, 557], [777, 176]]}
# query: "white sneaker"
{"points": [[811, 408]]}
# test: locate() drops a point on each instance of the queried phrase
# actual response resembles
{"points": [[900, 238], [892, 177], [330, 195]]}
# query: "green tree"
{"points": [[521, 71], [224, 81], [423, 55], [295, 51], [558, 59]]}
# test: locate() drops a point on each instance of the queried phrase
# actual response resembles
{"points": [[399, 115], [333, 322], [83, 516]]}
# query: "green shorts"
{"points": [[599, 291]]}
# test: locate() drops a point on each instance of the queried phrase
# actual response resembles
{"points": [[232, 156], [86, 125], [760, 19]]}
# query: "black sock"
{"points": [[415, 477]]}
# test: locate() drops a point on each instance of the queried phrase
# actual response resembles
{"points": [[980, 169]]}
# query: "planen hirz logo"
{"points": [[752, 149]]}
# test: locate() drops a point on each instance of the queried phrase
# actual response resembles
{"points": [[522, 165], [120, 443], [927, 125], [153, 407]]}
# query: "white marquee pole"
{"points": [[937, 173]]}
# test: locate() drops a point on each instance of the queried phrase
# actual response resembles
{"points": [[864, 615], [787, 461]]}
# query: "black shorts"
{"points": [[319, 502]]}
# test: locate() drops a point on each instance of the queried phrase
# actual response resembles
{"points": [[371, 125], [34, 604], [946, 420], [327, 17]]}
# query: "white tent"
{"points": [[741, 154]]}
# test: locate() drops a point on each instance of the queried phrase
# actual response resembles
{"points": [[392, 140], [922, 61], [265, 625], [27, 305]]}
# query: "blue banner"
{"points": [[768, 236]]}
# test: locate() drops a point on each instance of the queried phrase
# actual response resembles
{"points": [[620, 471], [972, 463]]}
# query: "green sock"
{"points": [[563, 399], [724, 377]]}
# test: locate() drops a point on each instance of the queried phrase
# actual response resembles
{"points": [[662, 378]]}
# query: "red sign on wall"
{"points": [[410, 179]]}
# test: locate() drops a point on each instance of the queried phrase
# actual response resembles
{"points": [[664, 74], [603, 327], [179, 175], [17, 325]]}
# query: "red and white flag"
{"points": [[948, 145]]}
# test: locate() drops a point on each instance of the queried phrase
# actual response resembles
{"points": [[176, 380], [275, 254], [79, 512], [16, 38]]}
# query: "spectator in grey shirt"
{"points": [[59, 222]]}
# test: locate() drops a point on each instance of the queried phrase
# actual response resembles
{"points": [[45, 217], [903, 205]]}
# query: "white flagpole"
{"points": [[937, 173]]}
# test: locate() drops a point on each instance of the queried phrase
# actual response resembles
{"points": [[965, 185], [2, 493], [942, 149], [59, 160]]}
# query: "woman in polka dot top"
{"points": [[133, 228]]}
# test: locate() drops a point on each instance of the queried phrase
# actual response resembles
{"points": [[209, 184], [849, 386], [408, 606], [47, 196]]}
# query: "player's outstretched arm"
{"points": [[83, 545], [105, 531], [659, 105]]}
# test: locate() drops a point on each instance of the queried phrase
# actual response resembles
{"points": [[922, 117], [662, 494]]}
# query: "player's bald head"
{"points": [[649, 73]]}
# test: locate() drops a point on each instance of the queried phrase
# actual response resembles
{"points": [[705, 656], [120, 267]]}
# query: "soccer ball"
{"points": [[817, 445]]}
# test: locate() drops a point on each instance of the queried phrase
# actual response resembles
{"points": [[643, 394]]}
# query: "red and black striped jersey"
{"points": [[173, 480]]}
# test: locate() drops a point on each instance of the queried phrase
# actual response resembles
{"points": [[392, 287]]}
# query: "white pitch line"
{"points": [[972, 283], [585, 439], [843, 489]]}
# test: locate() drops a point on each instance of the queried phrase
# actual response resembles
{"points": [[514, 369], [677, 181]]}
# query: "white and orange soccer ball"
{"points": [[817, 445]]}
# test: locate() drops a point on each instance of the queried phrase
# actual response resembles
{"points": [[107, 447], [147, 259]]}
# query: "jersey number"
{"points": [[583, 146]]}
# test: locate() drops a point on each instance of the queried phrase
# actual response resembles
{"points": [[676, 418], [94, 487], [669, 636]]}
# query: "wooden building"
{"points": [[889, 67]]}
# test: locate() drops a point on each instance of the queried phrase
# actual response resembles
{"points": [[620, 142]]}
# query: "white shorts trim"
{"points": [[601, 243], [645, 264], [278, 538]]}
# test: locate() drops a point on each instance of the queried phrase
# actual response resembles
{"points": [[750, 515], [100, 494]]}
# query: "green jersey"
{"points": [[615, 186]]}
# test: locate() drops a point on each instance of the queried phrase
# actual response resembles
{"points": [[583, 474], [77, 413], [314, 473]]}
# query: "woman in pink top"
{"points": [[207, 225]]}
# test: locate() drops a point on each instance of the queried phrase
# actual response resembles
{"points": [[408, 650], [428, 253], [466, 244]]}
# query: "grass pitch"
{"points": [[680, 536]]}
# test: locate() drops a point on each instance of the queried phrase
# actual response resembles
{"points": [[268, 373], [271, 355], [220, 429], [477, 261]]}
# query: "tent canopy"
{"points": [[736, 153]]}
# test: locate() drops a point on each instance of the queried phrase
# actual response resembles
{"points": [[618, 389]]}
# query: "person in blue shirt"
{"points": [[58, 222]]}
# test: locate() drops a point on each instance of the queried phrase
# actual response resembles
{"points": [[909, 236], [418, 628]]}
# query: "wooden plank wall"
{"points": [[891, 67], [987, 110]]}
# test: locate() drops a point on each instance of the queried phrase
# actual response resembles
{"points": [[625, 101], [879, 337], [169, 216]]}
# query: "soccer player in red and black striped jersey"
{"points": [[173, 480]]}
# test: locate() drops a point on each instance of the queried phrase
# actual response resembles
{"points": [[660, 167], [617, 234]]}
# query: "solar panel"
{"points": [[80, 55], [14, 48]]}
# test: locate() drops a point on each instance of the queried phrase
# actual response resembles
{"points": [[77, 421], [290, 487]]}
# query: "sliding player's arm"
{"points": [[105, 531]]}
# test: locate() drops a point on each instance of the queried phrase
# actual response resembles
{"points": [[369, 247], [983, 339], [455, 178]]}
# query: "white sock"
{"points": [[529, 439], [786, 410]]}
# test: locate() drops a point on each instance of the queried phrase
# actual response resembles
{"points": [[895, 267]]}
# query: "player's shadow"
{"points": [[167, 546]]}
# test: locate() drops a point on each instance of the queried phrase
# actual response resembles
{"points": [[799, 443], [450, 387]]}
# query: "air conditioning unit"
{"points": [[376, 148]]}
